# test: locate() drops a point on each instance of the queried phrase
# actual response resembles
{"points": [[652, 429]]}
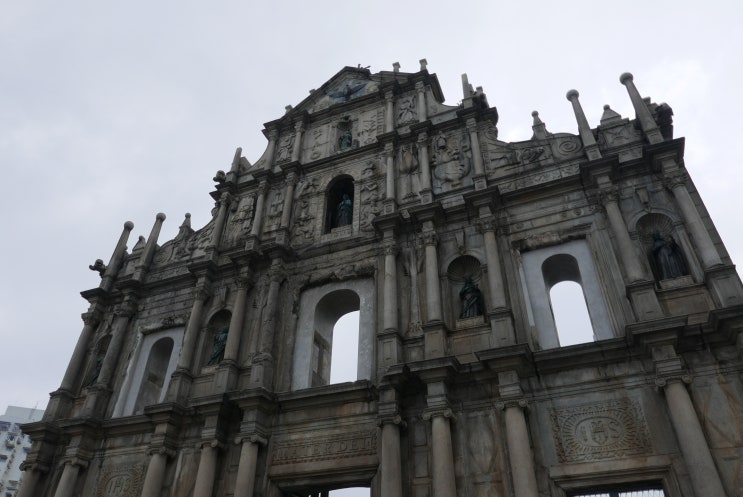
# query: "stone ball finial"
{"points": [[626, 76], [606, 107], [160, 216], [129, 225], [188, 215], [534, 113], [571, 94]]}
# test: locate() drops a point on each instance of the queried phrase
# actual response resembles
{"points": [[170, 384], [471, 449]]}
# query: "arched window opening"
{"points": [[345, 339], [155, 373], [340, 203], [328, 312], [571, 314], [568, 301]]}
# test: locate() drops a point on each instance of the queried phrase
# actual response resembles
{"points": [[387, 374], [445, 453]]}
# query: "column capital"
{"points": [[224, 199], [214, 444], [440, 412], [291, 178], [92, 318], [394, 420], [202, 291], [486, 224], [262, 187], [419, 86], [504, 404], [126, 309], [389, 247], [607, 194], [34, 466], [422, 137], [429, 237], [74, 461], [272, 134], [674, 179], [471, 125], [276, 273], [251, 438], [163, 451], [389, 96], [299, 126], [662, 381]]}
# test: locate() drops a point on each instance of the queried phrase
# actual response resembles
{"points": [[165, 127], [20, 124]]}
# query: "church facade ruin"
{"points": [[203, 367]]}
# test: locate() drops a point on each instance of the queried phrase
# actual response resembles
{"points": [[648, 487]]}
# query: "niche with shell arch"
{"points": [[217, 322], [653, 223], [338, 213], [461, 306]]}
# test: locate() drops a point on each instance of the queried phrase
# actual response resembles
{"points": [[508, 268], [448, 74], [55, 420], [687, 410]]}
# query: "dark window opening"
{"points": [[645, 489]]}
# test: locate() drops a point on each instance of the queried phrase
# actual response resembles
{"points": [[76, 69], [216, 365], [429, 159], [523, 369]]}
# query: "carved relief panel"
{"points": [[451, 161], [602, 430]]}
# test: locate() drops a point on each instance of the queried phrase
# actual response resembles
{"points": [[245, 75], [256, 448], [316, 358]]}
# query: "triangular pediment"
{"points": [[348, 84]]}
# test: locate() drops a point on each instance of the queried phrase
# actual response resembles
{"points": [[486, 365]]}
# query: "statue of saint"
{"points": [[345, 140], [471, 298], [345, 211], [668, 257], [220, 341]]}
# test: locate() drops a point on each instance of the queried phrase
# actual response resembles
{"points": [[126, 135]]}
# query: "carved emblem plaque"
{"points": [[121, 481], [604, 430]]}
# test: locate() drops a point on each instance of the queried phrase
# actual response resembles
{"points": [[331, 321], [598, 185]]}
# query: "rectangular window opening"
{"points": [[629, 490]]}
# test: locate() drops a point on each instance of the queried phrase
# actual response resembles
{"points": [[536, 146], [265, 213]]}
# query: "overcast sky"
{"points": [[115, 111]]}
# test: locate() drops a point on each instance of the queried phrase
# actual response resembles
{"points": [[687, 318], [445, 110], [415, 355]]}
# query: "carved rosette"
{"points": [[603, 430]]}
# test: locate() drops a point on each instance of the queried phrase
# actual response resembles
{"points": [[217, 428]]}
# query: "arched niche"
{"points": [[544, 268], [340, 191], [461, 270], [216, 324], [660, 243], [319, 310]]}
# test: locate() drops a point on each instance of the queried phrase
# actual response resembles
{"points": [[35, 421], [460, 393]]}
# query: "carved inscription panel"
{"points": [[604, 430], [338, 446]]}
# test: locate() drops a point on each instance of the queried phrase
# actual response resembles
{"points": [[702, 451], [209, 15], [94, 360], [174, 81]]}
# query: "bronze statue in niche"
{"points": [[668, 259]]}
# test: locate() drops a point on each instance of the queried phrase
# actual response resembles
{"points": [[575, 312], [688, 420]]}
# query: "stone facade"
{"points": [[203, 365]]}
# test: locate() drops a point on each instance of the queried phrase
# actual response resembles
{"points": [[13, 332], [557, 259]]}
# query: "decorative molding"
{"points": [[121, 481], [339, 446]]}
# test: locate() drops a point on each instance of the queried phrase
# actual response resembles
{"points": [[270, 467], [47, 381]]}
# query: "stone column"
{"points": [[153, 479], [291, 181], [66, 485], [492, 258], [207, 469], [701, 466], [519, 451], [115, 262], [389, 110], [262, 372], [245, 480], [444, 483], [297, 148], [705, 248], [258, 215], [232, 347], [201, 293], [271, 150], [390, 283], [389, 171], [433, 291], [475, 143], [32, 474], [586, 135], [671, 376], [421, 101], [627, 252], [111, 359], [224, 201], [91, 320], [423, 161], [391, 464], [649, 126]]}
